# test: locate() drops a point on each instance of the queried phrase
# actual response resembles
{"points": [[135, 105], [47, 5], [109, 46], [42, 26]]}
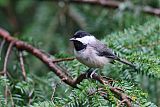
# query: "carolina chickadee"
{"points": [[92, 52]]}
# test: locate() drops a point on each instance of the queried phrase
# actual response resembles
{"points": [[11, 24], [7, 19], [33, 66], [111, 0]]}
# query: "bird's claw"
{"points": [[91, 72]]}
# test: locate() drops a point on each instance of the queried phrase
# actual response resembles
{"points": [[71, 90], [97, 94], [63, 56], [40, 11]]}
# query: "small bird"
{"points": [[92, 52]]}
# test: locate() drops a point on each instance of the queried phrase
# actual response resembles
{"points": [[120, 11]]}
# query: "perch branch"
{"points": [[123, 97], [58, 71]]}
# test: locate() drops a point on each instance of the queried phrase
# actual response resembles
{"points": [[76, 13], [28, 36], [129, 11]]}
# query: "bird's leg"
{"points": [[90, 72], [93, 72]]}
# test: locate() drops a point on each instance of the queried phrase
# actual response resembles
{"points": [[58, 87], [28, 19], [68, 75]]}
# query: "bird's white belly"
{"points": [[91, 59]]}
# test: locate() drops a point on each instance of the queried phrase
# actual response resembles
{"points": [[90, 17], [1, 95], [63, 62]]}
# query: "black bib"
{"points": [[79, 45]]}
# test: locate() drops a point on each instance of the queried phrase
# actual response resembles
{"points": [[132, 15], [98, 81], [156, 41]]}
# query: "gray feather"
{"points": [[103, 50]]}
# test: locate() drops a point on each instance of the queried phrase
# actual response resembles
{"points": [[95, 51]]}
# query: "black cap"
{"points": [[80, 34]]}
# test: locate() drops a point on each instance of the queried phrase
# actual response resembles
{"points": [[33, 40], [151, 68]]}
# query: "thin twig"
{"points": [[6, 58], [54, 90], [30, 96], [1, 47], [11, 98], [120, 103], [22, 65], [63, 59], [6, 92], [5, 68]]}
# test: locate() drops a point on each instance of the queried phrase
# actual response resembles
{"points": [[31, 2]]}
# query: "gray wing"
{"points": [[103, 50]]}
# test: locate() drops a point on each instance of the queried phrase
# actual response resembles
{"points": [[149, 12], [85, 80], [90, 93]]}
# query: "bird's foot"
{"points": [[91, 72]]}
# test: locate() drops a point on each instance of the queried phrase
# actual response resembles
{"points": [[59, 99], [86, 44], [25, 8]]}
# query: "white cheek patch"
{"points": [[86, 39]]}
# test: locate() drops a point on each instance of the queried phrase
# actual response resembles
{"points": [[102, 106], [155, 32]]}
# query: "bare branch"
{"points": [[106, 3], [116, 4], [1, 47], [11, 98], [6, 58], [5, 69], [40, 55], [22, 65], [62, 59]]}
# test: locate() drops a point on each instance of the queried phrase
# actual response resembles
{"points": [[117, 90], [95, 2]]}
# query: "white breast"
{"points": [[90, 58]]}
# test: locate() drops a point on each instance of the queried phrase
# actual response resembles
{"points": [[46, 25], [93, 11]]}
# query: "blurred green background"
{"points": [[48, 25]]}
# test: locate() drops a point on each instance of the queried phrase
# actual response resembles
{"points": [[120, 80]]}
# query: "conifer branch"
{"points": [[58, 71]]}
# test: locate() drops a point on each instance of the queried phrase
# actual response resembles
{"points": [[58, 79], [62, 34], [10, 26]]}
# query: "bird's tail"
{"points": [[126, 62]]}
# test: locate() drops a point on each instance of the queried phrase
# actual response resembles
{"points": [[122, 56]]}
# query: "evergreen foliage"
{"points": [[139, 45], [48, 25], [132, 44]]}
